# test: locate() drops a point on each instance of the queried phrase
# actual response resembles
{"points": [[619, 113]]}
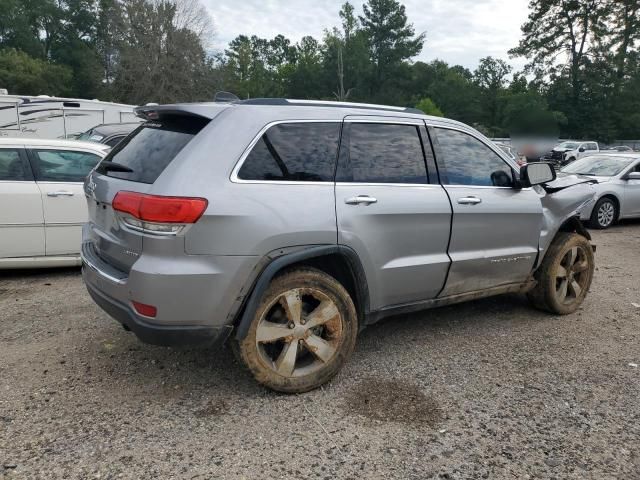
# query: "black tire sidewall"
{"points": [[546, 277], [300, 278]]}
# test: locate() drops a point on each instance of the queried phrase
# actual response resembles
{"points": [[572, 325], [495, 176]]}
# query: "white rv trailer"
{"points": [[54, 117]]}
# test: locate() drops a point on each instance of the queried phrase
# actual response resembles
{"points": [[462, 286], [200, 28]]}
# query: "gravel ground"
{"points": [[488, 389]]}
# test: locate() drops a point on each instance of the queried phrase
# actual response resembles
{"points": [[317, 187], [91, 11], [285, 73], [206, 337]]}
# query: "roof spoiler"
{"points": [[153, 111]]}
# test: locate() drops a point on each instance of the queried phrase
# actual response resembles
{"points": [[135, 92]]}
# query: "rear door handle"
{"points": [[471, 200], [60, 193], [360, 199]]}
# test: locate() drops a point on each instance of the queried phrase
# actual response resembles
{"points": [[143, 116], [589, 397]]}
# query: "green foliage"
{"points": [[428, 107], [582, 78], [23, 74]]}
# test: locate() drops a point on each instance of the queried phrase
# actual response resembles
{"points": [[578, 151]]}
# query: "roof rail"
{"points": [[326, 103]]}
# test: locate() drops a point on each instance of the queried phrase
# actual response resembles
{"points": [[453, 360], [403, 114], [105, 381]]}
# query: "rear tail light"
{"points": [[144, 309], [158, 214]]}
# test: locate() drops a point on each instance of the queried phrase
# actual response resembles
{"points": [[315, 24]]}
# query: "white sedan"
{"points": [[617, 190], [42, 202]]}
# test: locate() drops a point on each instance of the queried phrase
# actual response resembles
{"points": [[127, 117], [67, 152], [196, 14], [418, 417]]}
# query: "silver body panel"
{"points": [[415, 243], [625, 191]]}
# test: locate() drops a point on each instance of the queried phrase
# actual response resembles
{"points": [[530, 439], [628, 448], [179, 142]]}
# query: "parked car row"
{"points": [[43, 203]]}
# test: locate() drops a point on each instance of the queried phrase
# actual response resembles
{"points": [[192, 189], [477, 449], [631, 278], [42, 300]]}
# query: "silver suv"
{"points": [[291, 225]]}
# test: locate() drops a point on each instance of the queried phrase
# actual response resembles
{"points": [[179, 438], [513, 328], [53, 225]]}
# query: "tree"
{"points": [[428, 107], [490, 76], [24, 75], [391, 41], [561, 27]]}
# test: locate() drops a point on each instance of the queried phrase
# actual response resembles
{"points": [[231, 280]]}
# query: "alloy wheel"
{"points": [[572, 275], [606, 214], [299, 332]]}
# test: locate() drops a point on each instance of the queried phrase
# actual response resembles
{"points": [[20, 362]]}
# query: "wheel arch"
{"points": [[339, 261], [573, 225]]}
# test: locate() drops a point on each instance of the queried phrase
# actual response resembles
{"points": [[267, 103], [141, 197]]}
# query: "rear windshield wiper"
{"points": [[115, 167]]}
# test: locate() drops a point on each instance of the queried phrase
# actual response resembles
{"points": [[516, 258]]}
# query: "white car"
{"points": [[617, 190], [42, 202], [569, 151]]}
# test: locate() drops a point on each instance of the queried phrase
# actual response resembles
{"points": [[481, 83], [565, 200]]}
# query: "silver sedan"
{"points": [[618, 187]]}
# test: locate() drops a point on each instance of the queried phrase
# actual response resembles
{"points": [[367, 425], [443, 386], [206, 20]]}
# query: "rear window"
{"points": [[152, 147], [303, 152]]}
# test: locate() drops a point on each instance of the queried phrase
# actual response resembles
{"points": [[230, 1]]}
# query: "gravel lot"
{"points": [[489, 389]]}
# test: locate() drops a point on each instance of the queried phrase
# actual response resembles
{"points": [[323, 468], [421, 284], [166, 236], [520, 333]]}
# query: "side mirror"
{"points": [[537, 173], [633, 176], [581, 149]]}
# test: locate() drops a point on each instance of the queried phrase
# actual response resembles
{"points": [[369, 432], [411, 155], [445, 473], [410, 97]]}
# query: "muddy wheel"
{"points": [[565, 275], [302, 333], [604, 214]]}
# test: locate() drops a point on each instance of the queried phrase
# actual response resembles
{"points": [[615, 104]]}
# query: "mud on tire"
{"points": [[302, 333], [565, 275]]}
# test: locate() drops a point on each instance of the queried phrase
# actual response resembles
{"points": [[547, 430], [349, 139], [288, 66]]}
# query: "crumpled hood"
{"points": [[566, 180]]}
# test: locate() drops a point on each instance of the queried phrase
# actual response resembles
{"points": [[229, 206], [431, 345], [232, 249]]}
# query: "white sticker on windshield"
{"points": [[96, 138]]}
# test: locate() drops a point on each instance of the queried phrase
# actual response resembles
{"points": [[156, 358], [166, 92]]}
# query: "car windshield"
{"points": [[599, 166], [90, 136], [568, 145]]}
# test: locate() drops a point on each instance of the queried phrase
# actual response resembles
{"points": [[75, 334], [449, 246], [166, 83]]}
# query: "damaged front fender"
{"points": [[562, 202]]}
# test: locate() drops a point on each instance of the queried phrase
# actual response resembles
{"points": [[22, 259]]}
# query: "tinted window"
{"points": [[468, 161], [296, 151], [63, 165], [151, 148], [112, 142], [383, 153], [12, 167]]}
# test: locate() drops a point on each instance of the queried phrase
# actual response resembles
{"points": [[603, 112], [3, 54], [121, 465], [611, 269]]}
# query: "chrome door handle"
{"points": [[360, 199], [60, 193], [471, 200]]}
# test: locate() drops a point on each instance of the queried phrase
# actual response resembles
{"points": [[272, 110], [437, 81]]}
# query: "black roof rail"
{"points": [[326, 103]]}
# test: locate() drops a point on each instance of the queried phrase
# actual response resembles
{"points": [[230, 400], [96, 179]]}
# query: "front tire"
{"points": [[604, 214], [565, 275], [302, 333]]}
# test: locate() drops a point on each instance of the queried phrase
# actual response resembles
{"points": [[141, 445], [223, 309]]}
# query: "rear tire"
{"points": [[604, 214], [565, 275], [302, 333]]}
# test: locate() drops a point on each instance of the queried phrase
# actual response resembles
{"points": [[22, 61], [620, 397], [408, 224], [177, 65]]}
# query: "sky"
{"points": [[458, 31]]}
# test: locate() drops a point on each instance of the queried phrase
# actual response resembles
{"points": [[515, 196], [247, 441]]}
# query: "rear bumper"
{"points": [[170, 335], [196, 297]]}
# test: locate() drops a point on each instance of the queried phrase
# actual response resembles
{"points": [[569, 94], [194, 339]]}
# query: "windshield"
{"points": [[568, 145], [89, 136], [599, 166]]}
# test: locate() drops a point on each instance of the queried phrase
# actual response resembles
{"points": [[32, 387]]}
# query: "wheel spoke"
{"points": [[320, 347], [270, 332], [292, 304], [575, 288], [324, 312], [286, 362], [562, 291], [572, 255], [580, 266], [561, 272]]}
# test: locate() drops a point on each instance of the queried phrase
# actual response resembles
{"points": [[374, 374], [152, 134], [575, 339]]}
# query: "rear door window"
{"points": [[303, 152], [63, 165], [383, 153], [12, 166], [152, 147]]}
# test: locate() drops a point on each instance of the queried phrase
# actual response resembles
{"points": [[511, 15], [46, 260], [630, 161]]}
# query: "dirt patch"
{"points": [[213, 408], [393, 401]]}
